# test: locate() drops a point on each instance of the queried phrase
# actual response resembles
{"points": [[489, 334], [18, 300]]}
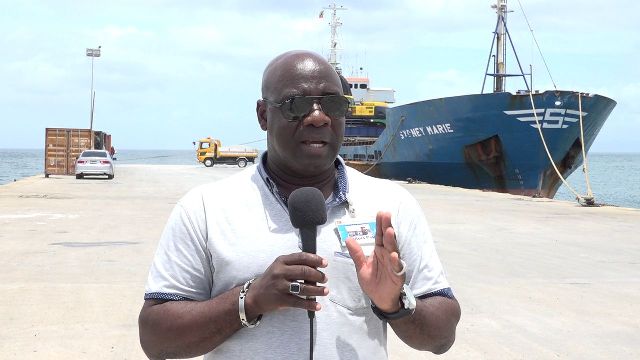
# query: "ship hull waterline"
{"points": [[484, 141]]}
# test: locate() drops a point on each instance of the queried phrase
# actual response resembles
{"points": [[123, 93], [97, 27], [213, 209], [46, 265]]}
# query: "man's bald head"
{"points": [[275, 74], [305, 147]]}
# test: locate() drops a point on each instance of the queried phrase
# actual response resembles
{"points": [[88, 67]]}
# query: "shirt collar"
{"points": [[340, 190]]}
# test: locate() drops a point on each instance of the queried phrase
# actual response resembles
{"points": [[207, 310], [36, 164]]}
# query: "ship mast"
{"points": [[500, 37], [333, 45], [501, 46]]}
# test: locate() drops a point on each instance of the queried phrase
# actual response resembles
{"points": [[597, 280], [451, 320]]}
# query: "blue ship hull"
{"points": [[483, 141]]}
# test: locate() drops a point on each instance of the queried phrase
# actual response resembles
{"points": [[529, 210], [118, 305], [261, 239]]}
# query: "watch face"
{"points": [[408, 300]]}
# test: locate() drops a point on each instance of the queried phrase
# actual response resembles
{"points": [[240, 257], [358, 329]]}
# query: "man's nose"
{"points": [[317, 117]]}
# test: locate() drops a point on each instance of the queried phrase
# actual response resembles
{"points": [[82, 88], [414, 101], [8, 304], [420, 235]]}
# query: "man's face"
{"points": [[309, 146]]}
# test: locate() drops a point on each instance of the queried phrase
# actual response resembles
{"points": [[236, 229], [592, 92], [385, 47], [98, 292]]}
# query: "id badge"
{"points": [[362, 231]]}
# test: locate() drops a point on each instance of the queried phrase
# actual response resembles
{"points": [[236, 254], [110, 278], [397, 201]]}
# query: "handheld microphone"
{"points": [[307, 210]]}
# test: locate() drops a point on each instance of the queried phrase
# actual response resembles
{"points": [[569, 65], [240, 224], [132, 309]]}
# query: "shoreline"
{"points": [[608, 190], [120, 165]]}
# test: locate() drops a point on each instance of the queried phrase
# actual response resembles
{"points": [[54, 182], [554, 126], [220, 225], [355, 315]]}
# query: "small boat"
{"points": [[516, 143]]}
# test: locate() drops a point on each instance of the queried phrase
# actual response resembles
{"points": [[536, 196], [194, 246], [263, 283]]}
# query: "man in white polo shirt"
{"points": [[227, 278]]}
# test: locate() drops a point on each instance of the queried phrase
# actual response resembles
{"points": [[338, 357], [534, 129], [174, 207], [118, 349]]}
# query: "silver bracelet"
{"points": [[243, 316]]}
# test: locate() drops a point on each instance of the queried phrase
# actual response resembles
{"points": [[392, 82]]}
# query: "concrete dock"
{"points": [[536, 278]]}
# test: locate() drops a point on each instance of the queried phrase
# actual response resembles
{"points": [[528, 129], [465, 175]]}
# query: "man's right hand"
{"points": [[270, 291]]}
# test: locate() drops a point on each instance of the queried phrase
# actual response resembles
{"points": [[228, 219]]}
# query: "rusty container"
{"points": [[64, 145]]}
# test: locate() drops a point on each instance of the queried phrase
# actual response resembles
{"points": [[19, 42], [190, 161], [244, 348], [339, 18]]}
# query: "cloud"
{"points": [[181, 70]]}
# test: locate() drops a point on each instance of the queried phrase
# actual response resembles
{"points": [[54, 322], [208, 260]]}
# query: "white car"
{"points": [[94, 162]]}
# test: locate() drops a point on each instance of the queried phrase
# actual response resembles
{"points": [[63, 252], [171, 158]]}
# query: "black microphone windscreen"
{"points": [[307, 207]]}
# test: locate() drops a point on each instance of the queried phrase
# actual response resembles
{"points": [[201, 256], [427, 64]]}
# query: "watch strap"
{"points": [[391, 316], [406, 308]]}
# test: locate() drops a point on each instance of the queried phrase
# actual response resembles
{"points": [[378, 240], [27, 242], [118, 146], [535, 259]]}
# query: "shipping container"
{"points": [[63, 146]]}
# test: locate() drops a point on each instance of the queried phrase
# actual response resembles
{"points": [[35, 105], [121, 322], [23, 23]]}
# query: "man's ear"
{"points": [[261, 112]]}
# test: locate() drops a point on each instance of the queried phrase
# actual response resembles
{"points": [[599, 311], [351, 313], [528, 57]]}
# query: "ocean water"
{"points": [[614, 177], [19, 163], [16, 164]]}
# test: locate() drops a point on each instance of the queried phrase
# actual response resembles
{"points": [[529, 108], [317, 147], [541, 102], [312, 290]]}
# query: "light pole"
{"points": [[92, 53]]}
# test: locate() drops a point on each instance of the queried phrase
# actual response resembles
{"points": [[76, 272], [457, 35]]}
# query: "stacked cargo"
{"points": [[64, 145]]}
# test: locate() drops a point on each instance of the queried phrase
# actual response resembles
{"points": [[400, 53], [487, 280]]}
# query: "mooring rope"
{"points": [[254, 141], [149, 157], [585, 163], [544, 61], [582, 200]]}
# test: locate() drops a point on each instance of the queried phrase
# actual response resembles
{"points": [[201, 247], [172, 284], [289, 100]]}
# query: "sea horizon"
{"points": [[611, 174], [192, 149]]}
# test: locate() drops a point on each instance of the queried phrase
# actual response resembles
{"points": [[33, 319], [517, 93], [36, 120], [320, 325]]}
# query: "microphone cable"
{"points": [[310, 338], [312, 316]]}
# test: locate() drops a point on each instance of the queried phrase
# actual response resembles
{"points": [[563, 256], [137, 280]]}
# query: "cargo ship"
{"points": [[497, 141]]}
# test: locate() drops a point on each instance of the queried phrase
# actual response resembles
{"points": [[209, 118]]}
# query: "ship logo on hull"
{"points": [[549, 118]]}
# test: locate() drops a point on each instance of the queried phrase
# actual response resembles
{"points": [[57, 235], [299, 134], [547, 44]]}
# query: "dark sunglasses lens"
{"points": [[334, 106], [300, 106]]}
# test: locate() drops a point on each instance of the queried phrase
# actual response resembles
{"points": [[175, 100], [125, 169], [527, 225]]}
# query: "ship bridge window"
{"points": [[350, 86], [363, 86]]}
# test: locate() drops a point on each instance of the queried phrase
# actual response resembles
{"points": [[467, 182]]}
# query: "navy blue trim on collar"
{"points": [[262, 170], [342, 184], [339, 192]]}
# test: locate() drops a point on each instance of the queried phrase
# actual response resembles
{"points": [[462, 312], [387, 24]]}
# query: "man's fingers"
{"points": [[389, 240], [385, 219], [356, 253], [379, 229], [310, 290], [302, 272], [303, 258], [301, 303], [395, 263], [383, 222], [305, 295]]}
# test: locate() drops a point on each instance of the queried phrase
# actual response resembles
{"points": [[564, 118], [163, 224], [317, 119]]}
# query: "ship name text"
{"points": [[425, 130]]}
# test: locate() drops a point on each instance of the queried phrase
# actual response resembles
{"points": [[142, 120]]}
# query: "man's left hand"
{"points": [[377, 272]]}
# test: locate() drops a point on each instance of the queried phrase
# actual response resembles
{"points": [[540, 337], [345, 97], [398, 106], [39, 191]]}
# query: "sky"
{"points": [[172, 72]]}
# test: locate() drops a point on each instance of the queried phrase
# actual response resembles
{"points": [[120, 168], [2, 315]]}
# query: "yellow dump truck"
{"points": [[210, 152]]}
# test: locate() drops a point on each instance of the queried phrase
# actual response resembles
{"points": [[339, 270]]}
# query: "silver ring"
{"points": [[403, 270], [294, 288]]}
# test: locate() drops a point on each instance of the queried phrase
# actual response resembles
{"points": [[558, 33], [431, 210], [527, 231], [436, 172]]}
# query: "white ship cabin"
{"points": [[361, 91]]}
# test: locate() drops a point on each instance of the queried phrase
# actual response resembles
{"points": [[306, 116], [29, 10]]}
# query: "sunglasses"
{"points": [[297, 107]]}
